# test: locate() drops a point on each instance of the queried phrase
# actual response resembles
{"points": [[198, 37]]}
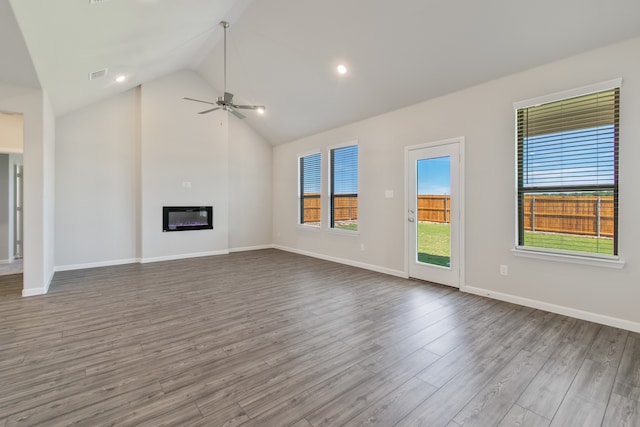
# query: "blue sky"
{"points": [[346, 170], [434, 176], [580, 157], [312, 167]]}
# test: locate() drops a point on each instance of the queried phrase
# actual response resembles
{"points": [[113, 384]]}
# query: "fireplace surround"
{"points": [[183, 218]]}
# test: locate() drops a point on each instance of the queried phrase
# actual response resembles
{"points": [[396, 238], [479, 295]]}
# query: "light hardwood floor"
{"points": [[269, 338]]}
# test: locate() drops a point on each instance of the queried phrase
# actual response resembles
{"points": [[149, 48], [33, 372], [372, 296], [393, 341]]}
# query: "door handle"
{"points": [[410, 219]]}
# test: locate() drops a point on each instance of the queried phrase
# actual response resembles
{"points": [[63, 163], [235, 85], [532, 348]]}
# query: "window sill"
{"points": [[344, 232], [315, 228], [608, 262]]}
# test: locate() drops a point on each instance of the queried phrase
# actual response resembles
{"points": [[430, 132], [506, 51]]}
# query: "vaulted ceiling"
{"points": [[284, 53]]}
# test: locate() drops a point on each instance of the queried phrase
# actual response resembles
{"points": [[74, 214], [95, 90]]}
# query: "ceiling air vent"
{"points": [[97, 1], [97, 74]]}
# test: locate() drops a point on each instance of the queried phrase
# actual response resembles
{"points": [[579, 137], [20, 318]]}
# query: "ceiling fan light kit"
{"points": [[225, 102]]}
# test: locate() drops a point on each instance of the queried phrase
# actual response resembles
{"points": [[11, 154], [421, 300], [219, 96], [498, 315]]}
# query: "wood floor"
{"points": [[269, 338]]}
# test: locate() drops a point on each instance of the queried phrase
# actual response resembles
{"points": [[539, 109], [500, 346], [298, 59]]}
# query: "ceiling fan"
{"points": [[226, 102]]}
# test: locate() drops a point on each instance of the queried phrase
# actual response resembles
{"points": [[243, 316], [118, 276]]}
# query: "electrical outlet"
{"points": [[504, 270], [362, 246]]}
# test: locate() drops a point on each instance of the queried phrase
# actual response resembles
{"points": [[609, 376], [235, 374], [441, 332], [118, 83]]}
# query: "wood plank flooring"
{"points": [[269, 338]]}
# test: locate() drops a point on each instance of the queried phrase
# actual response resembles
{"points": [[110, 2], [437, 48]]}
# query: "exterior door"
{"points": [[433, 212]]}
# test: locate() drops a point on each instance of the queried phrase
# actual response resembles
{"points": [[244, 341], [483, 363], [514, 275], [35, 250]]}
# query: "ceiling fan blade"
{"points": [[198, 100], [208, 111], [228, 98], [250, 107], [235, 113]]}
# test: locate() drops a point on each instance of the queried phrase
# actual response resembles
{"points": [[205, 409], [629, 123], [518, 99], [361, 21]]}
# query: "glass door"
{"points": [[433, 213]]}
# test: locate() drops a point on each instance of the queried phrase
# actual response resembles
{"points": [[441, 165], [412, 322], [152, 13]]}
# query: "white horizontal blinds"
{"points": [[309, 186], [344, 188], [568, 173]]}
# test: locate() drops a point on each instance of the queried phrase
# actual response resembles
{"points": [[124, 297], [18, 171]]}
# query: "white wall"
{"points": [[49, 188], [120, 160], [97, 185], [38, 164], [250, 187], [11, 133], [484, 116], [180, 146]]}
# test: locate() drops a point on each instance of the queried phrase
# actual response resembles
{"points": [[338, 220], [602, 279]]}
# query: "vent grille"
{"points": [[97, 1], [97, 74]]}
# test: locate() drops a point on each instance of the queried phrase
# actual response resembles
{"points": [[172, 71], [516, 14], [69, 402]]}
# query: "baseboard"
{"points": [[33, 292], [558, 309], [251, 248], [39, 291], [150, 260], [95, 264], [378, 269], [6, 261], [183, 256], [48, 284]]}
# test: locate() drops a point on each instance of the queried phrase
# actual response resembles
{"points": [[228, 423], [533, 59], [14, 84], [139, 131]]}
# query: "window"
{"points": [[567, 173], [344, 188], [309, 189]]}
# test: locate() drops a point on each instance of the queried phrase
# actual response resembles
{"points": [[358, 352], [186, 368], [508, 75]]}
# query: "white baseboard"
{"points": [[150, 260], [32, 292], [558, 309], [378, 269], [251, 248], [5, 261], [95, 264], [183, 256]]}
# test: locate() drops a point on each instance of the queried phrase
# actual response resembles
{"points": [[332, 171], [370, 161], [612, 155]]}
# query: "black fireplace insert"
{"points": [[182, 218]]}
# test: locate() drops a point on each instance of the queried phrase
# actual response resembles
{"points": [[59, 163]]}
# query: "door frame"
{"points": [[460, 141]]}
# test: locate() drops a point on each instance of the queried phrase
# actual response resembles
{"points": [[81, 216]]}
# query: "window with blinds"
{"points": [[567, 173], [309, 189], [344, 188]]}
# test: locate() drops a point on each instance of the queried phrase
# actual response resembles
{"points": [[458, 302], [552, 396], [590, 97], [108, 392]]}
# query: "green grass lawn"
{"points": [[434, 243], [352, 227], [569, 242]]}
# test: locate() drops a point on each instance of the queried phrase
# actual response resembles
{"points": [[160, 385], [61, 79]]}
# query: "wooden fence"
{"points": [[431, 208], [434, 208], [345, 208], [582, 215]]}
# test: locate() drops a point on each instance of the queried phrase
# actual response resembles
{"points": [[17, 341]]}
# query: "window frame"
{"points": [[330, 186], [560, 254], [300, 189]]}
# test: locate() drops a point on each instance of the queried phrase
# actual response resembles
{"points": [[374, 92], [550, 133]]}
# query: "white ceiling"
{"points": [[16, 67], [283, 53]]}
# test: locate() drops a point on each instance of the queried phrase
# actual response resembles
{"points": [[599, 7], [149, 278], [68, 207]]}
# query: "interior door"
{"points": [[433, 214], [18, 214]]}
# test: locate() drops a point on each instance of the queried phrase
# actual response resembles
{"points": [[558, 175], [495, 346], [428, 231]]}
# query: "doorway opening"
{"points": [[11, 203]]}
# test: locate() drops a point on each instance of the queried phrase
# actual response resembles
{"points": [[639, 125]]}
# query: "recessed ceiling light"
{"points": [[260, 110], [121, 78], [342, 69]]}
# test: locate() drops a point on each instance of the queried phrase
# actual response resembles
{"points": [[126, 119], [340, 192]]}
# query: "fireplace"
{"points": [[182, 218]]}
